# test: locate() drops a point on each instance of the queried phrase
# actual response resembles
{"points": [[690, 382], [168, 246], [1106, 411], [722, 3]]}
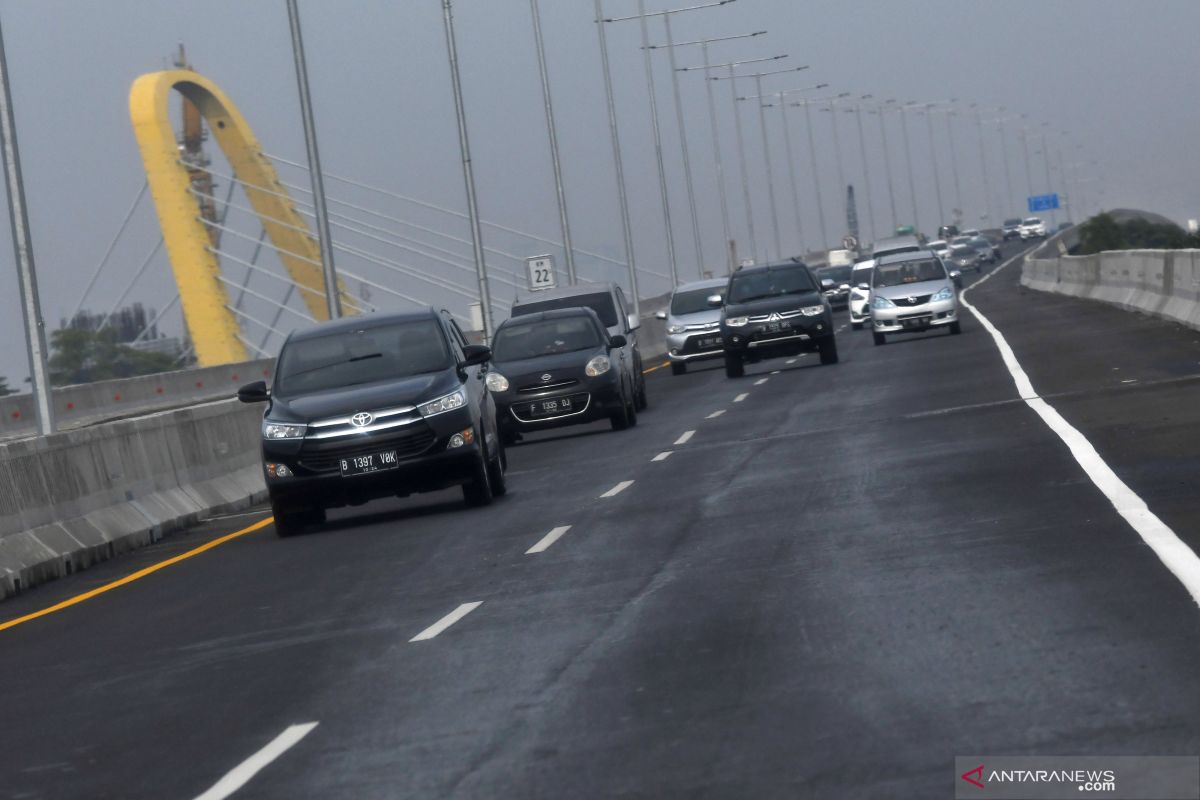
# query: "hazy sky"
{"points": [[1112, 74]]}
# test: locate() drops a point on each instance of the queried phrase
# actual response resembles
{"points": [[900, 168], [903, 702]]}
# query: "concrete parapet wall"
{"points": [[82, 496]]}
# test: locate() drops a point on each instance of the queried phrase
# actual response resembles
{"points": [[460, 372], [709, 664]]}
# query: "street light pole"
{"points": [[324, 237], [862, 145], [937, 180], [887, 163], [1007, 171], [837, 146], [697, 241], [762, 121], [958, 203], [912, 183], [1049, 185], [812, 155], [1025, 147], [658, 149], [987, 190], [552, 130], [615, 135], [464, 144], [18, 217]]}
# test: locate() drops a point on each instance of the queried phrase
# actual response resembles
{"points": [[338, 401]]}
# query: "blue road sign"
{"points": [[1043, 202]]}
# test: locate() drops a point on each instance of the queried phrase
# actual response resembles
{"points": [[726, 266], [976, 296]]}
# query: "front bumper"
{"points": [[694, 345], [761, 340], [911, 319], [589, 400], [860, 310]]}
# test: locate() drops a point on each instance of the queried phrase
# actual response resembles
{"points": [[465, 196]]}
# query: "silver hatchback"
{"points": [[693, 327], [912, 292]]}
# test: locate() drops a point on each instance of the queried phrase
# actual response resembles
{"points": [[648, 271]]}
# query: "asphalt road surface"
{"points": [[838, 579]]}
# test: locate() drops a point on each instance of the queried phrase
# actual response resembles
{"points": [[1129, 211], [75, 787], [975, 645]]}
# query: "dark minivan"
{"points": [[556, 368], [377, 406]]}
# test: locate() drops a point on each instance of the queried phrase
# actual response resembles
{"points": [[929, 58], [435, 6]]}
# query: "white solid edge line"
{"points": [[741, 397], [715, 414], [684, 437], [547, 540], [616, 490], [760, 381], [240, 775], [1180, 559], [446, 621], [663, 456], [790, 361]]}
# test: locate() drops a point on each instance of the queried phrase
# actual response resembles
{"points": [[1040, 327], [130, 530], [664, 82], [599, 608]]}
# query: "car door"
{"points": [[633, 356]]}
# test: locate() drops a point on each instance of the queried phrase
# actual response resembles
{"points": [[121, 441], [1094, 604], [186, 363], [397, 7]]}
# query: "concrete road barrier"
{"points": [[78, 497]]}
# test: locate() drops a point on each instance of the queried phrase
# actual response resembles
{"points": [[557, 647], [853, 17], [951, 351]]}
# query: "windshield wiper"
{"points": [[364, 358]]}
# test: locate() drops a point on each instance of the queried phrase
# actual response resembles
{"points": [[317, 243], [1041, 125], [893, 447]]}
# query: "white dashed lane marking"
{"points": [[741, 397], [547, 540], [760, 381], [242, 773], [684, 437], [663, 456], [616, 490], [715, 414], [446, 621]]}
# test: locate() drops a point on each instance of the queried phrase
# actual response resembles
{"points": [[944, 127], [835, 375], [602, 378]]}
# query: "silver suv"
{"points": [[693, 326], [912, 292]]}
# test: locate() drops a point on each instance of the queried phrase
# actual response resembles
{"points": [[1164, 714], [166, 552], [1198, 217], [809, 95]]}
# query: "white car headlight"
{"points": [[456, 399], [882, 302], [281, 430], [597, 366], [812, 311], [945, 294], [496, 382], [736, 322], [676, 329]]}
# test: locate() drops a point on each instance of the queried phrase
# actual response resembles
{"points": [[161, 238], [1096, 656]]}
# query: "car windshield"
{"points": [[692, 301], [962, 251], [981, 242], [353, 356], [517, 340], [770, 283], [838, 275], [1033, 221], [929, 269], [600, 302], [862, 275]]}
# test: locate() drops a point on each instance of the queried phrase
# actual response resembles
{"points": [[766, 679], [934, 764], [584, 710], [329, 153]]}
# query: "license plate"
{"points": [[707, 342], [775, 327], [551, 408], [372, 462], [918, 322]]}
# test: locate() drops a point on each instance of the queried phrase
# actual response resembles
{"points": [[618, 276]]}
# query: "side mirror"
{"points": [[617, 341], [827, 284], [476, 354], [955, 274], [660, 315], [844, 286], [715, 301], [254, 392], [632, 323]]}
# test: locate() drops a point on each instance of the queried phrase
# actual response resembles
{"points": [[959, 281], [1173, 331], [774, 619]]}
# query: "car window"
{"points": [[355, 356], [770, 283], [929, 269], [1033, 221], [962, 250], [600, 302], [861, 275], [691, 301], [518, 340], [891, 251], [835, 274]]}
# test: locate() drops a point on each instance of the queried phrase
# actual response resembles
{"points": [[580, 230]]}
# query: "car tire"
{"points": [[856, 326], [633, 414], [288, 523], [828, 348], [496, 469], [678, 367], [640, 401], [620, 419], [734, 368], [477, 492], [955, 328], [880, 339]]}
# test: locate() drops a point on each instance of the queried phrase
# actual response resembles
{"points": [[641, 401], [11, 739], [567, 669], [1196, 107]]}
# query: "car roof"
{"points": [[766, 267], [558, 313], [363, 322], [707, 283], [578, 289], [898, 258]]}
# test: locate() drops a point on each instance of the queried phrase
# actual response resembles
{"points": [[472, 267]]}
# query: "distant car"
{"points": [[608, 301], [1012, 228], [693, 327], [381, 405], [771, 312], [939, 246], [972, 232], [912, 292], [988, 252], [839, 293], [1032, 227], [860, 293], [896, 244], [964, 257], [556, 368], [948, 231]]}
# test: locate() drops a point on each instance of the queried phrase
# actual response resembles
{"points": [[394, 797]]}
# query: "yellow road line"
{"points": [[141, 573], [660, 366]]}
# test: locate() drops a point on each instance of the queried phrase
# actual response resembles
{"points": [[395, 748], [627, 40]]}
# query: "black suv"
{"points": [[377, 406], [772, 311], [556, 368]]}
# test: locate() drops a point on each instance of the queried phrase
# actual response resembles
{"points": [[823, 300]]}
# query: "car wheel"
{"points": [[477, 492], [734, 368], [880, 339], [955, 328], [496, 469], [829, 354], [678, 367], [509, 436], [289, 523], [856, 326], [620, 419], [633, 412]]}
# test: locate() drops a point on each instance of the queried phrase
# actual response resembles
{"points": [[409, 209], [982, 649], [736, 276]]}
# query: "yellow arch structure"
{"points": [[212, 327]]}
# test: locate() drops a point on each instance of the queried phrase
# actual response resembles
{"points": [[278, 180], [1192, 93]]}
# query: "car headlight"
{"points": [[676, 329], [456, 399], [945, 294], [496, 382], [279, 430], [597, 366], [736, 322], [812, 311], [882, 302]]}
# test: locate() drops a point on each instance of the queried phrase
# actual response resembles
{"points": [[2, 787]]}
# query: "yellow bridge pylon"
{"points": [[212, 327]]}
